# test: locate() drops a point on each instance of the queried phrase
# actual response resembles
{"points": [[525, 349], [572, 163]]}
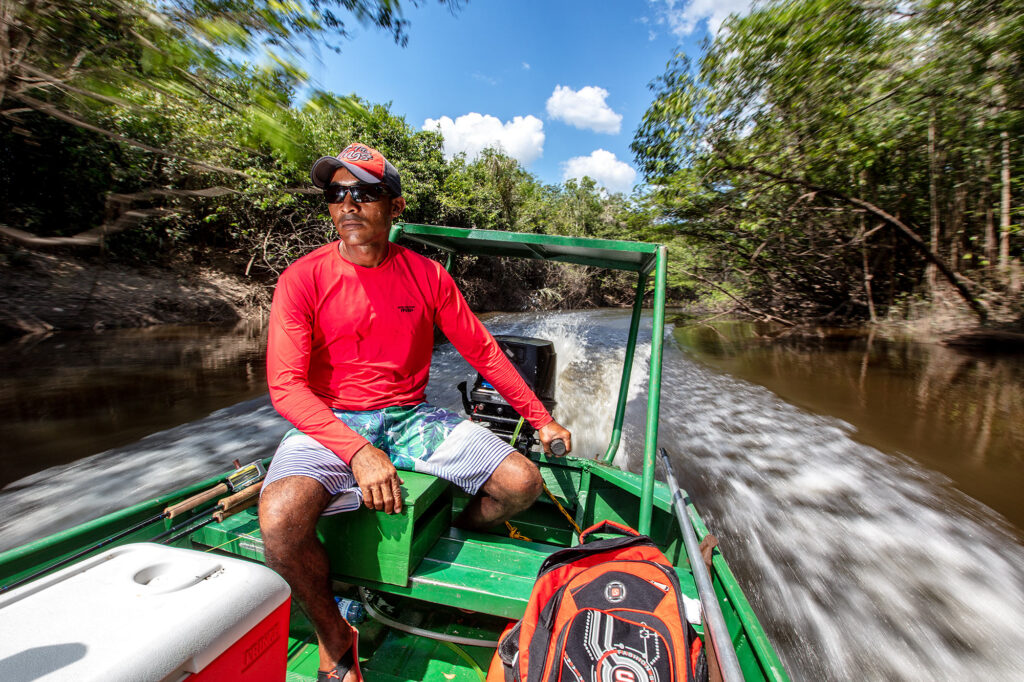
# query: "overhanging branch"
{"points": [[51, 110], [901, 228]]}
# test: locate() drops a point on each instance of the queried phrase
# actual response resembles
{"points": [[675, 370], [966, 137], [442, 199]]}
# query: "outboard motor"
{"points": [[535, 360]]}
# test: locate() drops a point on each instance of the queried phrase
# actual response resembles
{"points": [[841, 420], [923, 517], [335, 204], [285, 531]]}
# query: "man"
{"points": [[348, 357]]}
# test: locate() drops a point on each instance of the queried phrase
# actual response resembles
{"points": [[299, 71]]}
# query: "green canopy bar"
{"points": [[639, 257], [653, 393], [601, 253], [627, 368]]}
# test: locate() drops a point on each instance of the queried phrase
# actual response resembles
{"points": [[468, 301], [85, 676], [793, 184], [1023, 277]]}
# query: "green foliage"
{"points": [[174, 126], [757, 150]]}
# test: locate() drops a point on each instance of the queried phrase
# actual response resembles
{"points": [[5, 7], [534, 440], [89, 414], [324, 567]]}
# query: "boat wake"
{"points": [[64, 496], [860, 564]]}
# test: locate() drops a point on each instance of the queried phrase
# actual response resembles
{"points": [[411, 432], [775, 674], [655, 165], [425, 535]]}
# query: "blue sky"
{"points": [[561, 85]]}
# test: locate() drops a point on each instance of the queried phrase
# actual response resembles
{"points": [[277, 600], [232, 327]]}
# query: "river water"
{"points": [[863, 491]]}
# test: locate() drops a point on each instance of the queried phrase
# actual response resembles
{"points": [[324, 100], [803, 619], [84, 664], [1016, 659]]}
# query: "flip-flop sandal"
{"points": [[349, 661]]}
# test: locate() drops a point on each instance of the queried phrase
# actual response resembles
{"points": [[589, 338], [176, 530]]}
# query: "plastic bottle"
{"points": [[352, 611]]}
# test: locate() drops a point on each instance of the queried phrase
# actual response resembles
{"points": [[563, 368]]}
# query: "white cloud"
{"points": [[522, 138], [526, 66], [584, 108], [604, 168], [684, 16]]}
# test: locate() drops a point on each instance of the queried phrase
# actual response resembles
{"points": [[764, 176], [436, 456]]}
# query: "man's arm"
{"points": [[481, 351]]}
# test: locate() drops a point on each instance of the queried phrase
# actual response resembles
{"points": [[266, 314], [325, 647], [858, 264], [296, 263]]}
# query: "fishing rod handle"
{"points": [[195, 500], [222, 514], [557, 447], [236, 499]]}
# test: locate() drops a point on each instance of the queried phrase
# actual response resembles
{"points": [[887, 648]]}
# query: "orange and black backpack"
{"points": [[610, 610]]}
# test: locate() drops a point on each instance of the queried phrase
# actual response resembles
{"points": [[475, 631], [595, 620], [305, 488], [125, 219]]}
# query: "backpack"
{"points": [[607, 611]]}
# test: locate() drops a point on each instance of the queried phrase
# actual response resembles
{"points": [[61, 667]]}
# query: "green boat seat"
{"points": [[362, 544], [416, 553], [371, 545]]}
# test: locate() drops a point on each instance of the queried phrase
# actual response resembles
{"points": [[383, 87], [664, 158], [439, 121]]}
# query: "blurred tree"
{"points": [[68, 59]]}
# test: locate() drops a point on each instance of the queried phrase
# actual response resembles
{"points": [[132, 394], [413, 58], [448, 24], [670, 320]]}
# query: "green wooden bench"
{"points": [[415, 553]]}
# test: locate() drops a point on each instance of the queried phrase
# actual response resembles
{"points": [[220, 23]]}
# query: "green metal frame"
{"points": [[638, 257]]}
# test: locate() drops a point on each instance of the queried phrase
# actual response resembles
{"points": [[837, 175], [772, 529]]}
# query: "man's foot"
{"points": [[346, 664]]}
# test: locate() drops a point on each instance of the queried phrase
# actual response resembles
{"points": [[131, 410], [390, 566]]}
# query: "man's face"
{"points": [[363, 224]]}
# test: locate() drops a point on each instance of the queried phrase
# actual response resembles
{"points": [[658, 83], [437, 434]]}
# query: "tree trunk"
{"points": [[958, 213], [1004, 210], [867, 284], [991, 242], [933, 202]]}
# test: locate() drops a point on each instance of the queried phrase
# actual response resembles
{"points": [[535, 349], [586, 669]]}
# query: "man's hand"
{"points": [[552, 431], [377, 477]]}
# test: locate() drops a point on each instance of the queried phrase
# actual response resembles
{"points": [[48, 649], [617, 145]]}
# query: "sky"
{"points": [[561, 85]]}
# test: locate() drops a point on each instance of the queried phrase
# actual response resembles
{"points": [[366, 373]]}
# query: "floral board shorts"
{"points": [[421, 438]]}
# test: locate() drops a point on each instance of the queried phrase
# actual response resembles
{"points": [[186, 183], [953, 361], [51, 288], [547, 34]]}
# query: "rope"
{"points": [[513, 532], [568, 517]]}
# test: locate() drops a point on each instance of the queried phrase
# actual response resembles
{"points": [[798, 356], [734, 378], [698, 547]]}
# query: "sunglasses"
{"points": [[361, 194]]}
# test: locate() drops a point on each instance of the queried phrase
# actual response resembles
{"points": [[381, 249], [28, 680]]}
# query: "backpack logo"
{"points": [[615, 592], [623, 674]]}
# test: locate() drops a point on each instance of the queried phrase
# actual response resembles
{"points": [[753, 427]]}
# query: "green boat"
{"points": [[438, 597]]}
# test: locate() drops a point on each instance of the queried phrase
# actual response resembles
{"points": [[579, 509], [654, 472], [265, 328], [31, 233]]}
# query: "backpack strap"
{"points": [[608, 527]]}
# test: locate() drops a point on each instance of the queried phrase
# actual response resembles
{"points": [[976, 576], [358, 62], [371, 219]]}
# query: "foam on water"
{"points": [[860, 564], [64, 496]]}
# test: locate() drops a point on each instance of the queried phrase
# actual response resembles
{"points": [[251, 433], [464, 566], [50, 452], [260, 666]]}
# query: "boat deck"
{"points": [[473, 571]]}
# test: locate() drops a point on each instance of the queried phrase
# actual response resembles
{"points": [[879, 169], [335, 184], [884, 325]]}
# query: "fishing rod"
{"points": [[240, 478], [714, 620], [225, 507]]}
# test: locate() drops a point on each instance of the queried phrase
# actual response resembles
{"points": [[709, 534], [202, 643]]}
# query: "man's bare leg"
{"points": [[513, 487], [289, 509]]}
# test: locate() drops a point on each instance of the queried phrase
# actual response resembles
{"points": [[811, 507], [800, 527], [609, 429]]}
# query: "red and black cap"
{"points": [[366, 163]]}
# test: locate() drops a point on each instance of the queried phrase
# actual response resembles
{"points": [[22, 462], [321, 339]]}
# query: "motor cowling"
{"points": [[536, 362]]}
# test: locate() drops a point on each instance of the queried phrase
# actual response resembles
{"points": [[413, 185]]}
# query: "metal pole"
{"points": [[714, 621], [653, 394], [627, 367], [396, 232]]}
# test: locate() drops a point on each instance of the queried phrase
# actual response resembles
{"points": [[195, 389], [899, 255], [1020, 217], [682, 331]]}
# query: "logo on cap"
{"points": [[356, 152]]}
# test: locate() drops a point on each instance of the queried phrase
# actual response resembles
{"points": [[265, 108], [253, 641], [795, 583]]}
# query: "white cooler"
{"points": [[148, 612]]}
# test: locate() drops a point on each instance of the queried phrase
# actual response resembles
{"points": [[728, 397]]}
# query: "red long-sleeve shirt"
{"points": [[349, 337]]}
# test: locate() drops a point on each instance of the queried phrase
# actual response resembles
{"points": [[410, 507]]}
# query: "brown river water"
{"points": [[864, 491]]}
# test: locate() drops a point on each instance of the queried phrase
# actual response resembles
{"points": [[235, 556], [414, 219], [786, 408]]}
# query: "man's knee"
{"points": [[516, 481], [289, 509]]}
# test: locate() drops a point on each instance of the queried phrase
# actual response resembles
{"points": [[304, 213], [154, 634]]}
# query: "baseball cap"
{"points": [[366, 163]]}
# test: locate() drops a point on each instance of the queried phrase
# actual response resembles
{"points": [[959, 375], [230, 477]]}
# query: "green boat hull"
{"points": [[444, 579]]}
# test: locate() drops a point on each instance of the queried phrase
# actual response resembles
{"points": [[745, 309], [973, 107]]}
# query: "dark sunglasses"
{"points": [[361, 194]]}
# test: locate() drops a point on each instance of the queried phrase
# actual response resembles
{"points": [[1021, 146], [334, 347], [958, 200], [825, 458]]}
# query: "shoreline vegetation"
{"points": [[48, 293], [837, 164]]}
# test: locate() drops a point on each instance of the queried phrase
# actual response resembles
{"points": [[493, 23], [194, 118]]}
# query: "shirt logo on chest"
{"points": [[406, 308]]}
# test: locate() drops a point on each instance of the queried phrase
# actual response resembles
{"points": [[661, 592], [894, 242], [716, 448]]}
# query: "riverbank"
{"points": [[45, 292], [65, 291], [61, 291]]}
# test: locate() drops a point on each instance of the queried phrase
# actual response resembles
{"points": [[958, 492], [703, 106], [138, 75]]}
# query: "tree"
{"points": [[824, 154]]}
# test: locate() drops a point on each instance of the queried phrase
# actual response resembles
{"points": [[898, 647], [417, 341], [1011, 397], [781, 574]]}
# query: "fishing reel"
{"points": [[536, 361]]}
